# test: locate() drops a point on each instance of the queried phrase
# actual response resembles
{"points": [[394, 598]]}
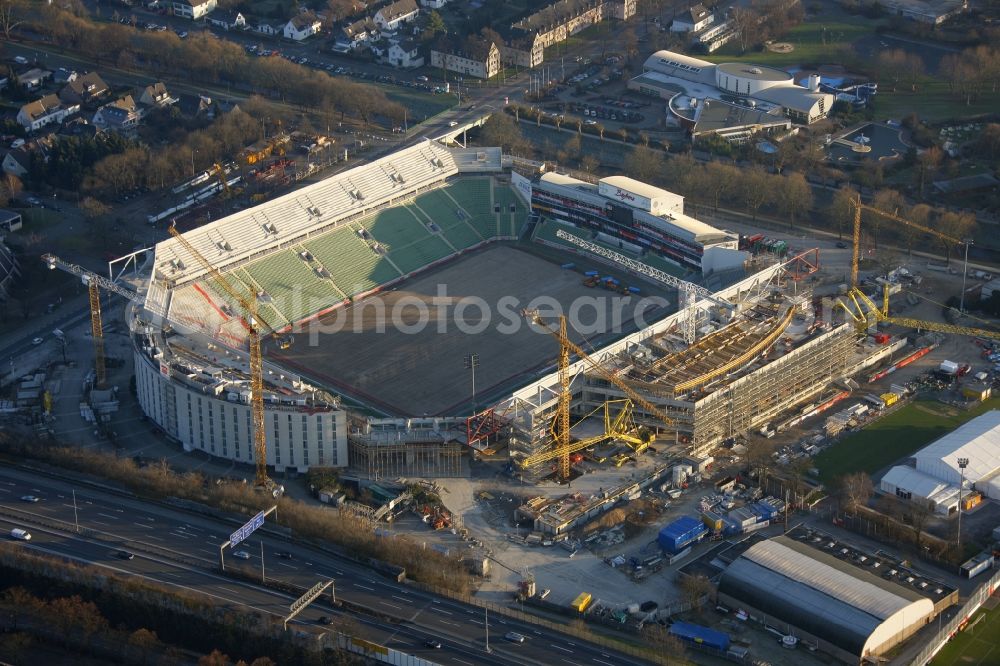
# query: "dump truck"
{"points": [[582, 602]]}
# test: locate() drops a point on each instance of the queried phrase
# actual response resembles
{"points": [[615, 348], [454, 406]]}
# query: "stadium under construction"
{"points": [[343, 388]]}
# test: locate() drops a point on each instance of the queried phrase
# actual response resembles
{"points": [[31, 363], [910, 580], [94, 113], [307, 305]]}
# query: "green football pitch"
{"points": [[978, 644]]}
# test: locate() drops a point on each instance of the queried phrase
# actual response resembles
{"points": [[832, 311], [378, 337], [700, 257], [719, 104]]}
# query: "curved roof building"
{"points": [[855, 613]]}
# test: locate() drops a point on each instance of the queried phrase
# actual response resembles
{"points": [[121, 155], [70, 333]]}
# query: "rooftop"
{"points": [[756, 72]]}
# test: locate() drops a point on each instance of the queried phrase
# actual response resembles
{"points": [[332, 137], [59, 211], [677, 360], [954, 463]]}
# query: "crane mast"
{"points": [[252, 324]]}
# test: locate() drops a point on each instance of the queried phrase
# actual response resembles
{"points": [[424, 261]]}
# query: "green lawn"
{"points": [[978, 645], [820, 42], [887, 440], [421, 105], [933, 102]]}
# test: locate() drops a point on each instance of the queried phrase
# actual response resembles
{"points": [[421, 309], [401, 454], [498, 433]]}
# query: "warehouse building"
{"points": [[978, 441], [912, 485], [843, 609]]}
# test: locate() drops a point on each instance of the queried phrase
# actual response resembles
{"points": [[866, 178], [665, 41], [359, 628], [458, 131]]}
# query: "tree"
{"points": [[720, 182], [694, 589], [589, 163], [928, 162], [644, 164], [855, 491], [754, 189], [502, 130], [10, 188], [11, 16], [93, 209], [143, 641], [795, 196], [840, 212], [760, 459], [215, 658], [22, 602]]}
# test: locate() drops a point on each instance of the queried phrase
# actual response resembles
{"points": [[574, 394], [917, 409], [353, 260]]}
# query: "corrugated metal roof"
{"points": [[915, 481], [833, 582], [978, 440]]}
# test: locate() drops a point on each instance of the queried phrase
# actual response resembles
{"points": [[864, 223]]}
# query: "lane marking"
{"points": [[441, 610], [454, 624], [156, 538], [145, 527], [4, 490], [559, 647], [602, 662], [370, 589], [461, 662], [99, 522], [402, 599], [386, 603], [104, 515], [289, 566]]}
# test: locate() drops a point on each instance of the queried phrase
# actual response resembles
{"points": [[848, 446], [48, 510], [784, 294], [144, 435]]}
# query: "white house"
{"points": [[301, 26], [193, 9], [156, 95], [405, 53], [121, 115], [228, 20], [357, 34], [390, 17], [44, 111], [268, 29], [692, 20]]}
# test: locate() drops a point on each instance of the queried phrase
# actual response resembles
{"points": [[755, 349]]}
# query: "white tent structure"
{"points": [[979, 442], [909, 484]]}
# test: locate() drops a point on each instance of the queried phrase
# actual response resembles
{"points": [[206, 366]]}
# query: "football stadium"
{"points": [[400, 300]]}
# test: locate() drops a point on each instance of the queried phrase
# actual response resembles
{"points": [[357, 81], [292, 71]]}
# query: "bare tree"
{"points": [[694, 589], [644, 164], [841, 209], [11, 16], [795, 196], [855, 490], [928, 162]]}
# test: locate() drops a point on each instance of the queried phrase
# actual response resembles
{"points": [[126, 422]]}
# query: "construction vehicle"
{"points": [[866, 313], [560, 427], [254, 327]]}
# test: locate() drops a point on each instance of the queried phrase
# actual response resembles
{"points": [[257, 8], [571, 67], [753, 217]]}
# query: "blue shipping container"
{"points": [[695, 633], [681, 533]]}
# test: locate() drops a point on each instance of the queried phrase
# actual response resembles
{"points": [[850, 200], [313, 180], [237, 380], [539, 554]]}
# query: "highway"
{"points": [[180, 549]]}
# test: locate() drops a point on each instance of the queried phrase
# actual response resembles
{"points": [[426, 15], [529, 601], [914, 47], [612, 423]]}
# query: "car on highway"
{"points": [[452, 123], [37, 341], [20, 535], [841, 244], [514, 637], [422, 79], [29, 498], [433, 643], [241, 554], [324, 619], [284, 554], [125, 555]]}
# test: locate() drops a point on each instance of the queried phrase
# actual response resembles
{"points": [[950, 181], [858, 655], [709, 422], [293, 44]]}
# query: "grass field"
{"points": [[933, 102], [979, 645], [887, 440], [421, 105], [819, 42]]}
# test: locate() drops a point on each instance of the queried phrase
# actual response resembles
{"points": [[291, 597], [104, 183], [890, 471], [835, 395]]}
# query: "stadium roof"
{"points": [[638, 187], [978, 440], [835, 601], [250, 232]]}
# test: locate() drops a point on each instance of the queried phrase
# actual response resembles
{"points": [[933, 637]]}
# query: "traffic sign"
{"points": [[244, 532]]}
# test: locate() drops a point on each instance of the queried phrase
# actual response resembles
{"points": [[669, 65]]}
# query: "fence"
{"points": [[945, 634]]}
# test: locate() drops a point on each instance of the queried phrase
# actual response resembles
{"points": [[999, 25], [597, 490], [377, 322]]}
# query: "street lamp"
{"points": [[471, 363], [962, 464], [965, 273]]}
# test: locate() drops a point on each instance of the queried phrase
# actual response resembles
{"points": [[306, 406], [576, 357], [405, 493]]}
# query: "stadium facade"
{"points": [[760, 349]]}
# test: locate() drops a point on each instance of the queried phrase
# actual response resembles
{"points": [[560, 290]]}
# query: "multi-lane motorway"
{"points": [[180, 549]]}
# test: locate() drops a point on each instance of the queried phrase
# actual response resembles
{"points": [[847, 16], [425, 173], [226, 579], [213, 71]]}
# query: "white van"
{"points": [[20, 535]]}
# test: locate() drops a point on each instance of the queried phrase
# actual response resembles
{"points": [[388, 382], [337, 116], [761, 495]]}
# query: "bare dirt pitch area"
{"points": [[403, 350]]}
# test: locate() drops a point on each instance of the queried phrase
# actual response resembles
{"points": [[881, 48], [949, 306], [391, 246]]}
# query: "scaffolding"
{"points": [[428, 457]]}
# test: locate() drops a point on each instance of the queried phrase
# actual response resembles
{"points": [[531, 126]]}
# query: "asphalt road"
{"points": [[180, 549]]}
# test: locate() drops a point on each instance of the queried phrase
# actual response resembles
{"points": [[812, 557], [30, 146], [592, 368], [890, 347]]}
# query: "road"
{"points": [[180, 549]]}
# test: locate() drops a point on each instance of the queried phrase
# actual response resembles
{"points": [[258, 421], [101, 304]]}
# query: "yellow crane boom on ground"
{"points": [[866, 312], [563, 446], [253, 325]]}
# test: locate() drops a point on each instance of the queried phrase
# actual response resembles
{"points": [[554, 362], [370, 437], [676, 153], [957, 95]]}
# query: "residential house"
{"points": [[523, 50], [478, 57], [433, 4], [392, 16], [9, 220], [33, 78], [357, 34], [301, 26], [556, 22], [227, 20], [45, 111], [193, 9], [85, 89], [693, 20], [63, 76], [403, 53], [156, 95], [17, 162], [268, 29], [121, 116]]}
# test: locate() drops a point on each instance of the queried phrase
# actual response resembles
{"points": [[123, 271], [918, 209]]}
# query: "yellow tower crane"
{"points": [[866, 312], [253, 325], [563, 447]]}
